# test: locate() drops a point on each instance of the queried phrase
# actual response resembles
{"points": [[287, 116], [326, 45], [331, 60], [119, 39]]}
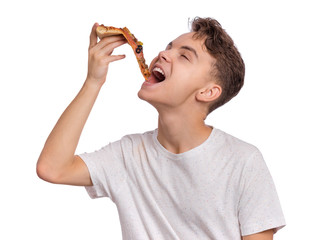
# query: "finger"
{"points": [[113, 58], [109, 48], [108, 40], [93, 36]]}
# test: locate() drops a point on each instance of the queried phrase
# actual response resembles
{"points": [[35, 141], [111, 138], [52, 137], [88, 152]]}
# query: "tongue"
{"points": [[156, 77], [153, 79]]}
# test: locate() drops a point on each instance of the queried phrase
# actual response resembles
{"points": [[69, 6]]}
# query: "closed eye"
{"points": [[184, 56]]}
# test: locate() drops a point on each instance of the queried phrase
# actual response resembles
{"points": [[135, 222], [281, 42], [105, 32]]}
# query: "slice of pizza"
{"points": [[103, 31]]}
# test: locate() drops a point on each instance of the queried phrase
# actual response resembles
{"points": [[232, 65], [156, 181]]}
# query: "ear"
{"points": [[209, 94]]}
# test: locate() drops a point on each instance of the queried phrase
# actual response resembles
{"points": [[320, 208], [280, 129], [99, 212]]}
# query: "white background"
{"points": [[286, 108]]}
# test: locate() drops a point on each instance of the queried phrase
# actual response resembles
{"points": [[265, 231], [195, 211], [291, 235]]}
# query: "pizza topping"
{"points": [[139, 49]]}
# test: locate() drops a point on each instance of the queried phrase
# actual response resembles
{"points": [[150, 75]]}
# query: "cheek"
{"points": [[192, 78], [184, 85], [184, 73]]}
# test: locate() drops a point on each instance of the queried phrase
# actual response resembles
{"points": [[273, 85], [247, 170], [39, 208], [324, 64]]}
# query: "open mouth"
{"points": [[157, 75]]}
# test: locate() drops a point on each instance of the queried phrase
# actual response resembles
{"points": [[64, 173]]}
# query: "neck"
{"points": [[179, 133]]}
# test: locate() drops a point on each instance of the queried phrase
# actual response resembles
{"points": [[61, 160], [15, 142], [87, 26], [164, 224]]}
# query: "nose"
{"points": [[163, 55]]}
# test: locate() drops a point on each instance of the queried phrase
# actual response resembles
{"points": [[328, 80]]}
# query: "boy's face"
{"points": [[178, 73]]}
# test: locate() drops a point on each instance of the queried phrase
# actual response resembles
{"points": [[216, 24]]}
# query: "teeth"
{"points": [[158, 70]]}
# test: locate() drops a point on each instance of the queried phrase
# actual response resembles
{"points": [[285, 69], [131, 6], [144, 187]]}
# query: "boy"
{"points": [[184, 180]]}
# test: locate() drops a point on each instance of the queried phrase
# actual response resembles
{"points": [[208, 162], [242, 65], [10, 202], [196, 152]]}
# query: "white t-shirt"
{"points": [[221, 189]]}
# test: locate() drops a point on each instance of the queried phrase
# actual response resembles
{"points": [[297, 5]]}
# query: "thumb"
{"points": [[93, 35]]}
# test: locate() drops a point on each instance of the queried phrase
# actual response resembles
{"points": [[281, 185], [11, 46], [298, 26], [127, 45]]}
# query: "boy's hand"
{"points": [[100, 56]]}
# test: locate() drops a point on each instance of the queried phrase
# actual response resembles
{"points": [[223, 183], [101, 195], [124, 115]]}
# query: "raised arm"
{"points": [[58, 162]]}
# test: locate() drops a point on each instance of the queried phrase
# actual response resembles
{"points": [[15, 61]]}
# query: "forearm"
{"points": [[57, 162], [62, 142]]}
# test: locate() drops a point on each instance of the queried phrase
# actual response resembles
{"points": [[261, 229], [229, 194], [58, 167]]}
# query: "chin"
{"points": [[141, 95], [145, 97]]}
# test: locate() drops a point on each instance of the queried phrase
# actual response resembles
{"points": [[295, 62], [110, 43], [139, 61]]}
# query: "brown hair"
{"points": [[229, 68]]}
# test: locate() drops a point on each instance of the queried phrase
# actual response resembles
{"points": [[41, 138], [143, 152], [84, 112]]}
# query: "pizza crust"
{"points": [[103, 31]]}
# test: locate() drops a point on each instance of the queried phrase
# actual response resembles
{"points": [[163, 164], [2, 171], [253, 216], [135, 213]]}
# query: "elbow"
{"points": [[45, 172], [42, 171]]}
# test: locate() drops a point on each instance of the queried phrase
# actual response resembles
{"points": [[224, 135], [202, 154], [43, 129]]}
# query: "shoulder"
{"points": [[234, 145], [137, 138], [239, 152]]}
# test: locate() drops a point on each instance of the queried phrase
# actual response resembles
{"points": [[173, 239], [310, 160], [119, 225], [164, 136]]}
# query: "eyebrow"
{"points": [[186, 48]]}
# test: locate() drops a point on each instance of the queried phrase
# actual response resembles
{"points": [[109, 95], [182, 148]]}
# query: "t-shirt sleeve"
{"points": [[259, 207], [107, 170]]}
